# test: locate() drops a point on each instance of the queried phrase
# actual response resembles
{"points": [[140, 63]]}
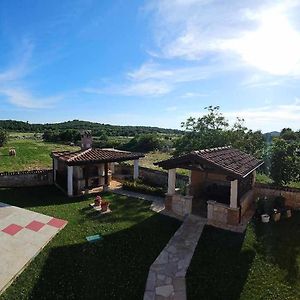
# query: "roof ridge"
{"points": [[212, 149], [78, 155]]}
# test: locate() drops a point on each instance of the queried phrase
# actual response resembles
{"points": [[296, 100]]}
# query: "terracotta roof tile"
{"points": [[95, 155], [228, 159]]}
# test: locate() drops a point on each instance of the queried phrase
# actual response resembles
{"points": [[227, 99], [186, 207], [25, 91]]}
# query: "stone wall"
{"points": [[246, 201], [291, 195], [182, 205], [155, 177], [26, 178]]}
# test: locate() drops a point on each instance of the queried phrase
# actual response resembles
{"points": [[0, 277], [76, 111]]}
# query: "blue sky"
{"points": [[153, 62]]}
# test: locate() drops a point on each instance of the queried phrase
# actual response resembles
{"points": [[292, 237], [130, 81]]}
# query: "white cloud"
{"points": [[13, 82], [22, 98], [21, 68], [133, 88], [153, 79], [268, 117], [274, 47], [257, 34], [171, 108], [194, 95]]}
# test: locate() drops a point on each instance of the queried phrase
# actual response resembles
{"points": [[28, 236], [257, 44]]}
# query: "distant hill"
{"points": [[97, 128], [269, 135]]}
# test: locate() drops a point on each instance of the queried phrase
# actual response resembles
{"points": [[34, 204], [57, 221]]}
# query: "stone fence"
{"points": [[291, 195], [26, 178], [153, 177]]}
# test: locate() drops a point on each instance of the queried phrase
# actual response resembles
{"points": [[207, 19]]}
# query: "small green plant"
{"points": [[279, 203], [138, 186], [264, 206]]}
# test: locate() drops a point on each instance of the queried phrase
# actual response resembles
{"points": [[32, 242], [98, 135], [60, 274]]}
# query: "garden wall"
{"points": [[292, 195], [26, 178], [154, 177]]}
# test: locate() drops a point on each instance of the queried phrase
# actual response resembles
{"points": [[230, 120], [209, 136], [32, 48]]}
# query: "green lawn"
{"points": [[71, 268], [31, 154], [156, 156], [262, 264], [263, 178]]}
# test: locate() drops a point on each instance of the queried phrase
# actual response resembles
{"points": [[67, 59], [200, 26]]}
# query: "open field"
{"points": [[31, 154], [262, 264], [155, 156], [71, 268]]}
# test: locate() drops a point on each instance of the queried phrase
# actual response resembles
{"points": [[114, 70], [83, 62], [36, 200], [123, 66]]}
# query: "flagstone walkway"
{"points": [[157, 205], [23, 234], [166, 278]]}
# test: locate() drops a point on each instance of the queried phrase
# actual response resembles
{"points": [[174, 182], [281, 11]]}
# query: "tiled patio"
{"points": [[23, 234]]}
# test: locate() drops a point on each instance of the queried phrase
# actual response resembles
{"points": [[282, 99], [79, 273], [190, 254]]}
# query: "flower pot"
{"points": [[276, 216], [104, 206], [265, 218]]}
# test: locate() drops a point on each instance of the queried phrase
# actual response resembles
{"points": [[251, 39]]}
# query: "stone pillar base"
{"points": [[233, 216], [168, 202]]}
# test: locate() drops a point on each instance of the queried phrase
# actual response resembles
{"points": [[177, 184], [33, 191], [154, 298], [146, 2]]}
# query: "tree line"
{"points": [[281, 153], [281, 156], [96, 128]]}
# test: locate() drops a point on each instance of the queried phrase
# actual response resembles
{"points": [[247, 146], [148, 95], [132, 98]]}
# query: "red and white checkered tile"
{"points": [[23, 234], [34, 225]]}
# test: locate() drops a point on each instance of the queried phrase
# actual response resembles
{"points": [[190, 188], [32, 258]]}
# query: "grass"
{"points": [[263, 178], [264, 263], [31, 154], [155, 156], [71, 268]]}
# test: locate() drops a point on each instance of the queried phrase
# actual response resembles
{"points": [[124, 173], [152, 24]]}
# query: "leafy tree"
{"points": [[144, 143], [213, 130], [3, 137], [284, 162], [204, 132], [51, 136], [245, 139], [289, 135]]}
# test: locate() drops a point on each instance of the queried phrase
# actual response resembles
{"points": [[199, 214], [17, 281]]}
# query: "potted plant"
{"points": [[104, 206], [276, 215], [262, 208]]}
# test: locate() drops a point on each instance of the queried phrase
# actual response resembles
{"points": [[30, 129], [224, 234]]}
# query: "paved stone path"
{"points": [[158, 203], [166, 278], [23, 234]]}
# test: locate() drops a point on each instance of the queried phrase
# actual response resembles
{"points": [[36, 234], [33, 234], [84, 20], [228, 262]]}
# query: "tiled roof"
{"points": [[95, 155], [230, 160]]}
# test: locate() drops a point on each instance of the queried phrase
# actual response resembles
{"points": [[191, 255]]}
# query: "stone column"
{"points": [[234, 193], [70, 181], [136, 169], [55, 166], [171, 181], [112, 168]]}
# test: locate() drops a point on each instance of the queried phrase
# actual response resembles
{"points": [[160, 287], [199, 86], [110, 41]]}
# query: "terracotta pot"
{"points": [[104, 206], [276, 216]]}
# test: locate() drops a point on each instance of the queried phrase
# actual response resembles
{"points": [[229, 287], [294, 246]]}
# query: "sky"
{"points": [[152, 63]]}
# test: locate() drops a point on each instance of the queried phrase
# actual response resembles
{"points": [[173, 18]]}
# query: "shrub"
{"points": [[143, 188], [3, 137], [267, 206]]}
